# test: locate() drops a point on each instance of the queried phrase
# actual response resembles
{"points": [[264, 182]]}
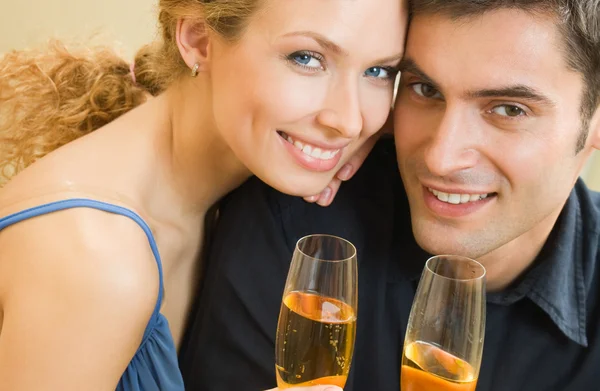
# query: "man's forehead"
{"points": [[497, 48], [516, 27]]}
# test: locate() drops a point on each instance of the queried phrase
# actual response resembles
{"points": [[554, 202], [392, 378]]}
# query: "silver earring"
{"points": [[195, 69]]}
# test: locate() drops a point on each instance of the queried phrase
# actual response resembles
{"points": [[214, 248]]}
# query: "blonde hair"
{"points": [[51, 96]]}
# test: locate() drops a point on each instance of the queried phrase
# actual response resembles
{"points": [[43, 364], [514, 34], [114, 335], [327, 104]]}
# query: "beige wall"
{"points": [[127, 24], [592, 172]]}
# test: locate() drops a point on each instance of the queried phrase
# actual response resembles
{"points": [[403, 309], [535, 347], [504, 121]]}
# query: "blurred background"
{"points": [[126, 25]]}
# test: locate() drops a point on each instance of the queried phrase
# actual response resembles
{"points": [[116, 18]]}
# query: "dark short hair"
{"points": [[579, 22]]}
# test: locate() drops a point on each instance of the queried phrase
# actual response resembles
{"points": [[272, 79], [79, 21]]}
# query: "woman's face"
{"points": [[307, 84]]}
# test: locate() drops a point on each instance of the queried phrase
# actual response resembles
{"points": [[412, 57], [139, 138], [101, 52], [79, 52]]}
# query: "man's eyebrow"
{"points": [[408, 65], [515, 91], [323, 41]]}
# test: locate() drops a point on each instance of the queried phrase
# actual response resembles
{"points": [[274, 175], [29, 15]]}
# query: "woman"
{"points": [[285, 90]]}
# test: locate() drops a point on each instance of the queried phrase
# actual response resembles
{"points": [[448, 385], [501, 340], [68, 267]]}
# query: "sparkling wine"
{"points": [[426, 367], [315, 340]]}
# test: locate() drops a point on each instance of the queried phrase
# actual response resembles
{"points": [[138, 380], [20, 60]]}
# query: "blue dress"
{"points": [[154, 366]]}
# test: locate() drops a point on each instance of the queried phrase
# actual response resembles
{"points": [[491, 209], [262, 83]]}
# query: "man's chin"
{"points": [[440, 242]]}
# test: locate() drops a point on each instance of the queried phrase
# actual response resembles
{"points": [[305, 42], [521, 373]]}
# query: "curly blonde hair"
{"points": [[53, 95]]}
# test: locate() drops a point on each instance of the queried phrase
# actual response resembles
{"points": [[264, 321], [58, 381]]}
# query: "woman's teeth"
{"points": [[310, 150], [457, 198]]}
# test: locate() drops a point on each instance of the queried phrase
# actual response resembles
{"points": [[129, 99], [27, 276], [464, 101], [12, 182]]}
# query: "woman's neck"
{"points": [[200, 166]]}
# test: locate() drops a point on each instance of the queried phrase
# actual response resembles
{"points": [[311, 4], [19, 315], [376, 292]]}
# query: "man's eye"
{"points": [[426, 91], [508, 111]]}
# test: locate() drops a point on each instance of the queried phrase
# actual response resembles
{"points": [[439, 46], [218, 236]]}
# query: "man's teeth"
{"points": [[457, 198], [310, 150]]}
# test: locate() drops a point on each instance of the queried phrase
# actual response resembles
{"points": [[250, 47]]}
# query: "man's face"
{"points": [[486, 123]]}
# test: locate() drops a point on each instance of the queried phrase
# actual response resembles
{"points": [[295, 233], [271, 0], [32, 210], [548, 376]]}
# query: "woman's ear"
{"points": [[193, 41]]}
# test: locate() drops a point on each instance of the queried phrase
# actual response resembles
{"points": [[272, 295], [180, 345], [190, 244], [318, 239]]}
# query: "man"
{"points": [[496, 114]]}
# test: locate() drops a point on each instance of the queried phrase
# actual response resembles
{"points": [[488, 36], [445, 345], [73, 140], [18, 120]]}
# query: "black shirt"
{"points": [[542, 333]]}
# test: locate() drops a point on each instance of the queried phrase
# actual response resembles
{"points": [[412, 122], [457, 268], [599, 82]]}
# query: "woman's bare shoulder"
{"points": [[92, 250], [75, 283]]}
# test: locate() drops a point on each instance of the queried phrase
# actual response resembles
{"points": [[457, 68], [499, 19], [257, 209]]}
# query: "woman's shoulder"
{"points": [[76, 242], [76, 230], [86, 279], [78, 204]]}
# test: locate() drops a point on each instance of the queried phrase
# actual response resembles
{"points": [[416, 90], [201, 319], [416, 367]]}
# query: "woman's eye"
{"points": [[380, 72], [306, 59], [426, 91], [508, 111]]}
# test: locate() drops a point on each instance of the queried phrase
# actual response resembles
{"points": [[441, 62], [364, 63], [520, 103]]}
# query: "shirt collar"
{"points": [[556, 283]]}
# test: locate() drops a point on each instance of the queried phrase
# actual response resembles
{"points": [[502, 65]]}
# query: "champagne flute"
{"points": [[317, 321], [444, 338]]}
